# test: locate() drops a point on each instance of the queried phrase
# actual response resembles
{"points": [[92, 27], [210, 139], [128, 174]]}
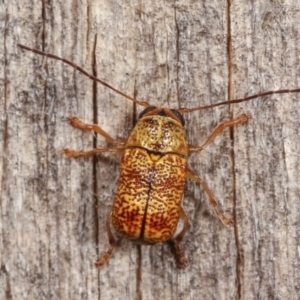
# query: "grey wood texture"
{"points": [[173, 54]]}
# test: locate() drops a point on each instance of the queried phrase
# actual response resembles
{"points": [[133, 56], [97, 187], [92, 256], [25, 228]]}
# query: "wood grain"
{"points": [[173, 54]]}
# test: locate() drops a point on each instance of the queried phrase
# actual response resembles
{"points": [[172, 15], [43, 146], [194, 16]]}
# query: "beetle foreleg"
{"points": [[73, 153], [75, 122], [213, 202], [239, 120], [112, 242]]}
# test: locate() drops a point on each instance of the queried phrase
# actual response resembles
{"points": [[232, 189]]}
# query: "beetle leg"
{"points": [[179, 251], [239, 120], [112, 242], [185, 220], [75, 122], [73, 153], [213, 202]]}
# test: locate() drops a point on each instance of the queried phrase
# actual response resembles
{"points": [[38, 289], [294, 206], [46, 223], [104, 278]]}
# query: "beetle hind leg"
{"points": [[102, 260], [176, 243], [212, 200]]}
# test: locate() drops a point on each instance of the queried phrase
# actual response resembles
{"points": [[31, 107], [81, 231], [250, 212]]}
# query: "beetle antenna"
{"points": [[186, 110], [146, 104], [142, 103]]}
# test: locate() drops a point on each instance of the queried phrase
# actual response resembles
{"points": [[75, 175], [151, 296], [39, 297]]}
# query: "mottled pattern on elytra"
{"points": [[159, 134], [149, 193]]}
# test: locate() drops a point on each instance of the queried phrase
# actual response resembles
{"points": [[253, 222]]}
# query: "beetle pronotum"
{"points": [[147, 205]]}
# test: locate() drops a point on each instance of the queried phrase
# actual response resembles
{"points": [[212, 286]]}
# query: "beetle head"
{"points": [[159, 111]]}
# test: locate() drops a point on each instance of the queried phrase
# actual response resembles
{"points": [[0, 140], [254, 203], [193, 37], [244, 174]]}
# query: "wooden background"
{"points": [[170, 53]]}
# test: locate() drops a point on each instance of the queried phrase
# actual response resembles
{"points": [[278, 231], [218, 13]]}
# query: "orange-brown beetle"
{"points": [[147, 205]]}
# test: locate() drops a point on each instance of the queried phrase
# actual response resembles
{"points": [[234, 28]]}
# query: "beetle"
{"points": [[147, 204]]}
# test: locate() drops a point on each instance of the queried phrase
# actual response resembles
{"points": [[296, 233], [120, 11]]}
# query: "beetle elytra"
{"points": [[147, 204]]}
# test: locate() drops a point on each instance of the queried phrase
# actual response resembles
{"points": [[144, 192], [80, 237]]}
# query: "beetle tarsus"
{"points": [[75, 122], [102, 260], [71, 153], [225, 221], [179, 255]]}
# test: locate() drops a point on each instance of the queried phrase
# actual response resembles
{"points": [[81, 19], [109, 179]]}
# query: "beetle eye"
{"points": [[146, 110], [179, 116]]}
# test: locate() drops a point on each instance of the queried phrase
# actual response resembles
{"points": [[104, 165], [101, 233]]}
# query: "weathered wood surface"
{"points": [[171, 53]]}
